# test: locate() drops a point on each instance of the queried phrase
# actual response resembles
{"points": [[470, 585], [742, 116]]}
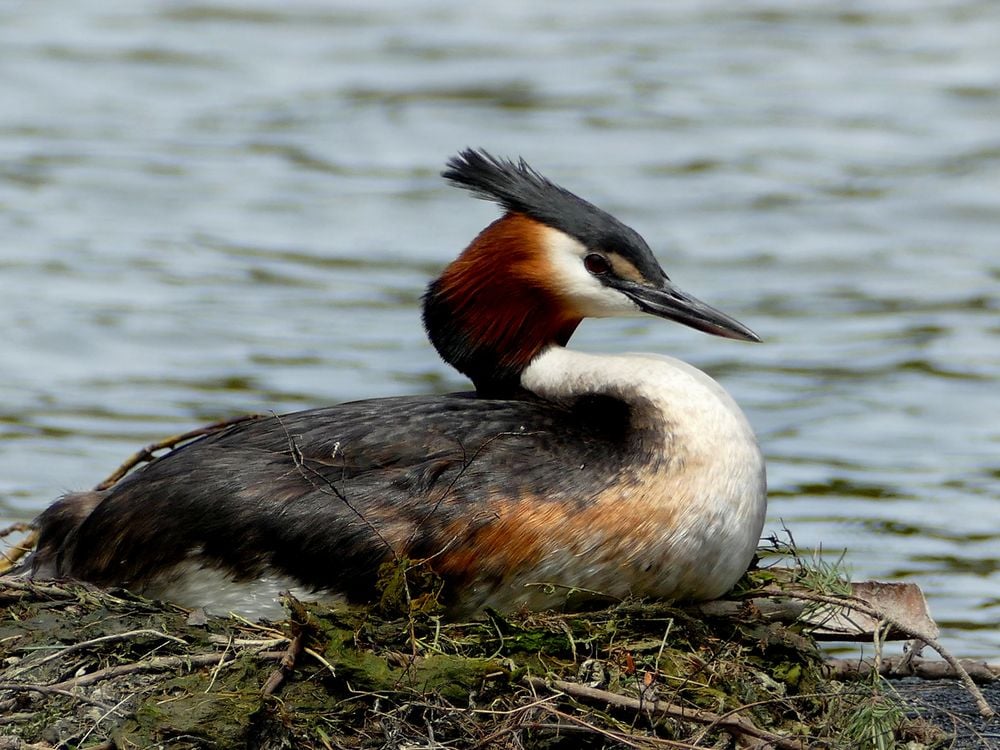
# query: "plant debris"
{"points": [[97, 669]]}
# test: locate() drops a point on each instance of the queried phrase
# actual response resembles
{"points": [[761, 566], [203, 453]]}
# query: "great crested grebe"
{"points": [[626, 474]]}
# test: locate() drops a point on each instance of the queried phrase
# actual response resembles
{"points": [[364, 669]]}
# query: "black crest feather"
{"points": [[514, 185], [518, 188]]}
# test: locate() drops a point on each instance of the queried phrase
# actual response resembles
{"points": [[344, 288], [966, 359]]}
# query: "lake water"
{"points": [[213, 208]]}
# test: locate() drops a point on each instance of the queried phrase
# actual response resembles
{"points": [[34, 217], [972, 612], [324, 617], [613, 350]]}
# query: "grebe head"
{"points": [[529, 278]]}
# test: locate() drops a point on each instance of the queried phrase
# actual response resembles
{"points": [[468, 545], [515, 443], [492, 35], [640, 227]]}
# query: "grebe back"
{"points": [[626, 474]]}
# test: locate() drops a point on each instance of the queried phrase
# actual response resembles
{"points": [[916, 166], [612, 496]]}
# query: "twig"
{"points": [[107, 713], [223, 640], [59, 689], [299, 622], [103, 639], [17, 551], [319, 657], [147, 454], [154, 664], [218, 667], [519, 709], [18, 717], [587, 726], [300, 462], [31, 587], [257, 627], [734, 725], [767, 609], [927, 669], [636, 741], [262, 643], [853, 602], [14, 528]]}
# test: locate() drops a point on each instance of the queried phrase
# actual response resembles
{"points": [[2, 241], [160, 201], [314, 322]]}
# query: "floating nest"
{"points": [[99, 669]]}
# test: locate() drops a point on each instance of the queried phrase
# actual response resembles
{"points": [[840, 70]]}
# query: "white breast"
{"points": [[715, 478]]}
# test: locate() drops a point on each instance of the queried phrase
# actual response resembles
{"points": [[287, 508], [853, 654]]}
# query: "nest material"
{"points": [[85, 668]]}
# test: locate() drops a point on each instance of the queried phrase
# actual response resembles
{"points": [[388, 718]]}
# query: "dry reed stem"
{"points": [[734, 725]]}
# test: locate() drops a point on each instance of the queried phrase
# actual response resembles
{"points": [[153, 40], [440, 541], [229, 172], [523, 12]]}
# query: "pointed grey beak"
{"points": [[667, 301]]}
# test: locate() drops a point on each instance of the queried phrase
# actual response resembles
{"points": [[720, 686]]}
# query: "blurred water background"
{"points": [[210, 208]]}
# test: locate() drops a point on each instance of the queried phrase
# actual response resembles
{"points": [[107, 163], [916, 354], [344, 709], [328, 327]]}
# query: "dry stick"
{"points": [[926, 669], [11, 557], [767, 702], [31, 587], [59, 689], [299, 459], [588, 727], [299, 624], [79, 590], [514, 715], [734, 725], [319, 657], [565, 723], [517, 715], [631, 740], [247, 625], [262, 643], [18, 717], [14, 528], [218, 667], [83, 644], [154, 664], [107, 713], [146, 454], [853, 602]]}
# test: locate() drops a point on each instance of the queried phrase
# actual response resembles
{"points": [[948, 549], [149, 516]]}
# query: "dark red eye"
{"points": [[597, 264]]}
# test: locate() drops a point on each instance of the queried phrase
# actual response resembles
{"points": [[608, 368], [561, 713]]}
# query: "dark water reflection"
{"points": [[211, 208]]}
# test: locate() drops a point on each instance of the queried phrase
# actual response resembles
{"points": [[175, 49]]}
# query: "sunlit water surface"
{"points": [[208, 209]]}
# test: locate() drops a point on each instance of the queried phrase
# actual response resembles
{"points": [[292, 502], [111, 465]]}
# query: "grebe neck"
{"points": [[491, 312], [660, 390]]}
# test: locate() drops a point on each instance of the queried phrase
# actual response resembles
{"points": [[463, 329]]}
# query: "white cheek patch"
{"points": [[575, 283]]}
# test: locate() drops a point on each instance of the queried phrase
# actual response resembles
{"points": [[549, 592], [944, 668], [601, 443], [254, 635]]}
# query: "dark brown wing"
{"points": [[327, 495]]}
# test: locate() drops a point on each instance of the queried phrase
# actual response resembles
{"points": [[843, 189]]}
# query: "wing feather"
{"points": [[327, 495]]}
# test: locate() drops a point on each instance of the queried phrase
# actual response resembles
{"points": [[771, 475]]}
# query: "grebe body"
{"points": [[623, 475]]}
